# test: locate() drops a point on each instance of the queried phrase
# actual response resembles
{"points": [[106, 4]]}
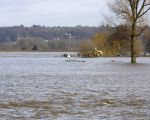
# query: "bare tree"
{"points": [[133, 12]]}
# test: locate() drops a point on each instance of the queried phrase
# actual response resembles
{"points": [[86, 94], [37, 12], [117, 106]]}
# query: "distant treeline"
{"points": [[54, 38], [58, 38], [47, 33]]}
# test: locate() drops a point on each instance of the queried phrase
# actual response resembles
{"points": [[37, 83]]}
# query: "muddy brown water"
{"points": [[46, 86]]}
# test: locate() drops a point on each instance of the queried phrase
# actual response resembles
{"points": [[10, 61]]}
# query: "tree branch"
{"points": [[142, 6], [144, 12], [142, 29]]}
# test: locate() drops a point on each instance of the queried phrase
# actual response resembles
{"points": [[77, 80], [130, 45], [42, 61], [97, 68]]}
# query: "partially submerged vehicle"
{"points": [[93, 53]]}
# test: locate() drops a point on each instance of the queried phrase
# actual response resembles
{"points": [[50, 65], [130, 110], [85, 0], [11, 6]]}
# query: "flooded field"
{"points": [[47, 86]]}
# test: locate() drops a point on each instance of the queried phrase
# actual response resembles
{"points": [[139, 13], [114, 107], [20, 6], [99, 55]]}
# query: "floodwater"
{"points": [[46, 86]]}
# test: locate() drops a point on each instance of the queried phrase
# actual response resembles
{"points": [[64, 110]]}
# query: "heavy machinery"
{"points": [[93, 53]]}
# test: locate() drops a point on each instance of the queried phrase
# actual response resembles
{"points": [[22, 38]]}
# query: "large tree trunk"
{"points": [[133, 51]]}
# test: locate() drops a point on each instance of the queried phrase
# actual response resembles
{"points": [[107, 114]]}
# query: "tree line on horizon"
{"points": [[45, 38], [112, 40], [47, 33]]}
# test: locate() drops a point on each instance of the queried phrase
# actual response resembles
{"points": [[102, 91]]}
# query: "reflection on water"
{"points": [[49, 87]]}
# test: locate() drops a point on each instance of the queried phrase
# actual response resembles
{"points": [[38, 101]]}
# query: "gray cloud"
{"points": [[51, 12]]}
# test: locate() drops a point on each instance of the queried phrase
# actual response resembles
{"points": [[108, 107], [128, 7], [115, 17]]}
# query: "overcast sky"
{"points": [[52, 12]]}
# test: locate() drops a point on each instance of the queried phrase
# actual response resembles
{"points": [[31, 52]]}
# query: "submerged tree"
{"points": [[132, 12]]}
